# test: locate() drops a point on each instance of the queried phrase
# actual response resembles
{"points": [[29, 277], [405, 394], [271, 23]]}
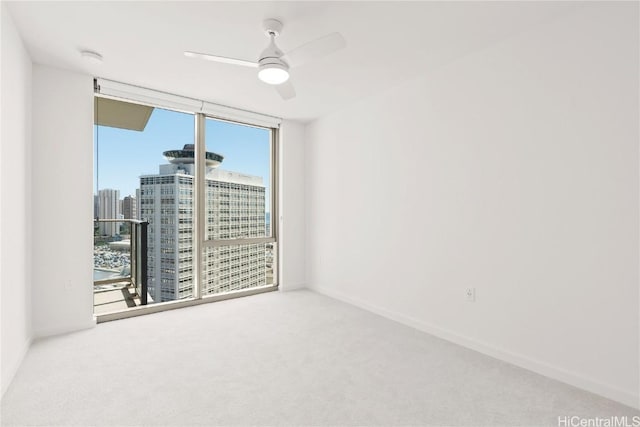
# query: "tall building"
{"points": [[137, 204], [235, 208], [109, 208], [129, 208]]}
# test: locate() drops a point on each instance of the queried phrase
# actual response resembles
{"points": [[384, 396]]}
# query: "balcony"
{"points": [[120, 265]]}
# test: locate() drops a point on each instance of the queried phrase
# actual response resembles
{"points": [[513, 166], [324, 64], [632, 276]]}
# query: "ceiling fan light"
{"points": [[273, 74]]}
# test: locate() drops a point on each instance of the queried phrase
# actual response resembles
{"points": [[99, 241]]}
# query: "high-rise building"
{"points": [[137, 204], [235, 208], [129, 208], [109, 208]]}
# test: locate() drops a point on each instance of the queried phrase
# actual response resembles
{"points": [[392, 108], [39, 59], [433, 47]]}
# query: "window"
{"points": [[239, 202], [234, 177]]}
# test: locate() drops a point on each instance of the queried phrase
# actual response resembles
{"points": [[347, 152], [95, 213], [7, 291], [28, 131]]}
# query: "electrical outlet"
{"points": [[470, 294]]}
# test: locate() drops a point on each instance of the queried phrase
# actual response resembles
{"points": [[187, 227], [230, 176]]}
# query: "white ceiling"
{"points": [[387, 43]]}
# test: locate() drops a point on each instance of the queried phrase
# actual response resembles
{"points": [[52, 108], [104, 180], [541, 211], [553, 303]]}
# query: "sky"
{"points": [[121, 156]]}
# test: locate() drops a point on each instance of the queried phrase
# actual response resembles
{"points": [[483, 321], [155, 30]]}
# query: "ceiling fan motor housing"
{"points": [[271, 57]]}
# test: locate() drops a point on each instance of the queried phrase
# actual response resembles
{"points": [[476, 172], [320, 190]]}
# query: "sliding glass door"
{"points": [[142, 203]]}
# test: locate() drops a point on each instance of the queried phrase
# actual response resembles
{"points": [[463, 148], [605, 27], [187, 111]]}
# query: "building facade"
{"points": [[109, 208], [235, 208], [129, 208]]}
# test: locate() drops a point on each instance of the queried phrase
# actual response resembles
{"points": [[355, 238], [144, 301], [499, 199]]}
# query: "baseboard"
{"points": [[61, 330], [553, 372], [289, 287], [13, 369]]}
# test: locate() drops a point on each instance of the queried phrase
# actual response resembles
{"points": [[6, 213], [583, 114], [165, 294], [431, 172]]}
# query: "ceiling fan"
{"points": [[273, 64]]}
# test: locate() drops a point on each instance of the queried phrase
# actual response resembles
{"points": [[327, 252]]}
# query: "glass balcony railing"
{"points": [[119, 264]]}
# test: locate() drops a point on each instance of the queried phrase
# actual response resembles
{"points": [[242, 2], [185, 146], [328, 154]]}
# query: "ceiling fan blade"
{"points": [[315, 49], [286, 90], [223, 59]]}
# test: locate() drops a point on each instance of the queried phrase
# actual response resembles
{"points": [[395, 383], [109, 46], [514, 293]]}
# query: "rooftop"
{"points": [[187, 155]]}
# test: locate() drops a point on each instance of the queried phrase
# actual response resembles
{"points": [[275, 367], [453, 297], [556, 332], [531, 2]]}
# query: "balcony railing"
{"points": [[120, 264]]}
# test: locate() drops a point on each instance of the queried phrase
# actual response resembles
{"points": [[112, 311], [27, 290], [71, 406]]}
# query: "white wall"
{"points": [[292, 216], [15, 210], [513, 170], [62, 201]]}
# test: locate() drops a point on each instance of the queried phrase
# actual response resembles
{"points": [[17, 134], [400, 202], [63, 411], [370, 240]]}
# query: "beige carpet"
{"points": [[293, 358]]}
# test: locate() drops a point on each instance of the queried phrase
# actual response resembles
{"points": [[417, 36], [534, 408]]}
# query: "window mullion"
{"points": [[199, 207]]}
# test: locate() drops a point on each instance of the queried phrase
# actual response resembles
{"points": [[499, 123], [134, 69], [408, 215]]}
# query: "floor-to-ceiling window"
{"points": [[183, 204]]}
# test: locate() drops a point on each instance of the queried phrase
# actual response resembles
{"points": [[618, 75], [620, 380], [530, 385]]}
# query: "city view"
{"points": [[144, 178]]}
